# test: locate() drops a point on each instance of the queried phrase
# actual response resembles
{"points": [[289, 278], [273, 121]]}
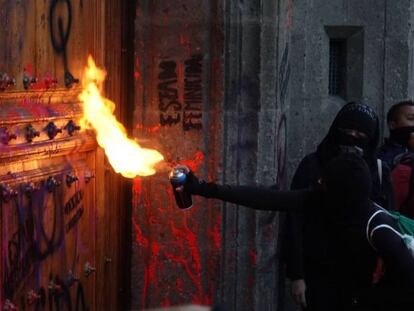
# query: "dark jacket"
{"points": [[306, 230], [389, 150], [340, 264]]}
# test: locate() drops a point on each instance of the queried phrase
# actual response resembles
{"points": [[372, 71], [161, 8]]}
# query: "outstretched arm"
{"points": [[256, 197], [261, 198]]}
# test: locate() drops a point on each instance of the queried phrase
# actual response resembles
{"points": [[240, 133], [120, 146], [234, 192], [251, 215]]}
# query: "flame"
{"points": [[125, 155]]}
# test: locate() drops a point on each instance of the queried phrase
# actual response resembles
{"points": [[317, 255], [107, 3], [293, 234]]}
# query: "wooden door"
{"points": [[51, 211]]}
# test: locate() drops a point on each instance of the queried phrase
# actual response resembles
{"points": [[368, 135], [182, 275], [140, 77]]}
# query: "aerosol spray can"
{"points": [[177, 179]]}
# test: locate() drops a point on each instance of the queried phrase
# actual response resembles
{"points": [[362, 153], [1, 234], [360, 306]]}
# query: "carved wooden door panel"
{"points": [[47, 162]]}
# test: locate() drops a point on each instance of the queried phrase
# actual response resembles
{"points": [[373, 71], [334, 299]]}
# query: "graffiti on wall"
{"points": [[171, 249], [283, 82], [181, 109], [60, 36], [34, 222]]}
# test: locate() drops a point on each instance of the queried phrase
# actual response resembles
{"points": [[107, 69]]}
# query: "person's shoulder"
{"points": [[382, 217], [389, 145], [389, 150], [306, 173], [308, 162], [310, 158]]}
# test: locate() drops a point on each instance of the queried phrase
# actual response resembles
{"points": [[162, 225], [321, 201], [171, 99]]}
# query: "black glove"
{"points": [[199, 187]]}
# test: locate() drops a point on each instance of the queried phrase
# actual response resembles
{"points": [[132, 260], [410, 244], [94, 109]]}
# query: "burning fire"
{"points": [[125, 155]]}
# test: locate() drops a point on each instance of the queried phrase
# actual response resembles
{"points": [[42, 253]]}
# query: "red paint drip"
{"points": [[34, 105], [253, 256], [137, 186], [195, 163], [152, 266], [29, 68], [182, 39], [136, 191], [191, 264], [289, 14], [179, 284], [189, 47], [139, 237], [208, 301], [180, 76], [143, 243], [166, 302], [215, 234], [152, 129], [137, 75], [159, 255]]}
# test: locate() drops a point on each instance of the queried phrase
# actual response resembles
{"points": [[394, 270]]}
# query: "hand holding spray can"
{"points": [[178, 177]]}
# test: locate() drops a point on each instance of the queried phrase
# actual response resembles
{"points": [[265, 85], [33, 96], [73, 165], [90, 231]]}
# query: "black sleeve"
{"points": [[261, 198], [397, 257], [301, 178], [295, 225], [387, 190]]}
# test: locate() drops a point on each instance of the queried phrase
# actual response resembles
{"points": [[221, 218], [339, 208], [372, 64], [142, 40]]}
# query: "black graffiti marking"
{"points": [[20, 255], [75, 219], [168, 96], [192, 121], [284, 61], [194, 66], [24, 250], [73, 202], [64, 299], [283, 82], [169, 120], [281, 150], [56, 237], [58, 300], [193, 93], [60, 42], [168, 70], [284, 74], [169, 105], [80, 299], [25, 245]]}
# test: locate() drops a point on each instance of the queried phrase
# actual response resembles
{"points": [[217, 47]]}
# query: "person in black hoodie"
{"points": [[351, 250], [354, 129], [359, 232]]}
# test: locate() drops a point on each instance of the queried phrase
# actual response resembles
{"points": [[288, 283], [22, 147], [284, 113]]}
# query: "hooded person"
{"points": [[350, 258], [355, 129], [353, 254], [400, 120], [398, 152], [357, 126]]}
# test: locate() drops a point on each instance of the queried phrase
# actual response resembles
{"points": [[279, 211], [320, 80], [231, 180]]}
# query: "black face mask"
{"points": [[344, 139], [401, 135]]}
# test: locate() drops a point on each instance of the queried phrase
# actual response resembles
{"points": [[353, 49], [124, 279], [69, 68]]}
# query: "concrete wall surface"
{"points": [[259, 101]]}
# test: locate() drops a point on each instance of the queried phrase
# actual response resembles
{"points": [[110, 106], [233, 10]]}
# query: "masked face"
{"points": [[402, 135], [352, 138]]}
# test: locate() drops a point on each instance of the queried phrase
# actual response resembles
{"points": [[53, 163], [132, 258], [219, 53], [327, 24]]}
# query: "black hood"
{"points": [[356, 116]]}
